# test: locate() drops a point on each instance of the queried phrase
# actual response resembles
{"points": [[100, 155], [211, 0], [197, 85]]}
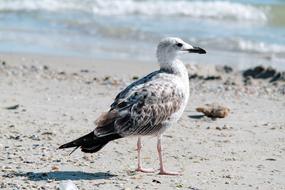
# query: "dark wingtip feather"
{"points": [[67, 145], [79, 142]]}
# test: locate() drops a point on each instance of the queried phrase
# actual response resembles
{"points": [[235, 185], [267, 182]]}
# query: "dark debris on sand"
{"points": [[12, 107], [261, 72]]}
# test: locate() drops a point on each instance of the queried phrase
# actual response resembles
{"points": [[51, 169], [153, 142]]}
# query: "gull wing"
{"points": [[142, 108]]}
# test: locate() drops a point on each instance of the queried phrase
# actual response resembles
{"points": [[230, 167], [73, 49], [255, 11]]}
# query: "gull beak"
{"points": [[191, 49], [197, 50]]}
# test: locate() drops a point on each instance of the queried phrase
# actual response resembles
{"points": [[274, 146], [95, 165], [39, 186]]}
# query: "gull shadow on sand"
{"points": [[65, 175], [197, 116], [202, 117]]}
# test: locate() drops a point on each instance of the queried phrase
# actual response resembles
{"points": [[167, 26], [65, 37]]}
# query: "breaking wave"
{"points": [[260, 47], [195, 9]]}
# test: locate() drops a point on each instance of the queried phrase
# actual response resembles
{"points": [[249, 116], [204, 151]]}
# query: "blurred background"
{"points": [[240, 32]]}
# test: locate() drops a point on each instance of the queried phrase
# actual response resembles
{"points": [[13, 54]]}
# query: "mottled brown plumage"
{"points": [[143, 107]]}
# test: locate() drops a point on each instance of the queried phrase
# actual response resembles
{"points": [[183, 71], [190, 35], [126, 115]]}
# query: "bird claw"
{"points": [[145, 170], [163, 172]]}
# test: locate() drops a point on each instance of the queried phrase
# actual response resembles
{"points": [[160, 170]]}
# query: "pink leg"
{"points": [[140, 168], [162, 171]]}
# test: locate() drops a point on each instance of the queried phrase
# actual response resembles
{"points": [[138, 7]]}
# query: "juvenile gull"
{"points": [[148, 106]]}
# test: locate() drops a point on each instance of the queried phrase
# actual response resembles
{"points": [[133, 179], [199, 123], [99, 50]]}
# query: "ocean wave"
{"points": [[195, 9], [243, 45], [260, 47]]}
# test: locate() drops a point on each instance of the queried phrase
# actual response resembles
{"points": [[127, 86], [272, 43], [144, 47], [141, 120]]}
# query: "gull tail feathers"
{"points": [[97, 139], [90, 143]]}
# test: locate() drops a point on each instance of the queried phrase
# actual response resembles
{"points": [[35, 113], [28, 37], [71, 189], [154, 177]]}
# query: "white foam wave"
{"points": [[260, 47], [242, 45], [212, 9], [31, 5], [196, 9]]}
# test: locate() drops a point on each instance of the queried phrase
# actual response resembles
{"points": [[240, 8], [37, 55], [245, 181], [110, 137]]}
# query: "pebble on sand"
{"points": [[214, 110], [55, 168]]}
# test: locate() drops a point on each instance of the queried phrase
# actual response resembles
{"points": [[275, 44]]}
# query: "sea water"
{"points": [[241, 32]]}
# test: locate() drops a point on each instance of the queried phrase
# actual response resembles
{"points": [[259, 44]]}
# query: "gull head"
{"points": [[168, 49]]}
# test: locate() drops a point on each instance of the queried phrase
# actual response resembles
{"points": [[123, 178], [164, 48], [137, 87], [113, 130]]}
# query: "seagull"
{"points": [[147, 107]]}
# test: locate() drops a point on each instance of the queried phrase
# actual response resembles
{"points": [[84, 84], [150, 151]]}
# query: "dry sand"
{"points": [[59, 99]]}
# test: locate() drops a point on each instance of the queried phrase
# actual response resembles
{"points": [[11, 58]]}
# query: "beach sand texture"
{"points": [[58, 103]]}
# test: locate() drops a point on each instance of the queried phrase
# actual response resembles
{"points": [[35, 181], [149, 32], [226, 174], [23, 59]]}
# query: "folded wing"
{"points": [[142, 110]]}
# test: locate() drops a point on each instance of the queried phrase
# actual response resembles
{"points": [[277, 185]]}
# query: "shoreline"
{"points": [[76, 62], [146, 66]]}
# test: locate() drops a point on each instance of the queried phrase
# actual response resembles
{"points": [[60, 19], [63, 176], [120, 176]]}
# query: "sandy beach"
{"points": [[46, 101]]}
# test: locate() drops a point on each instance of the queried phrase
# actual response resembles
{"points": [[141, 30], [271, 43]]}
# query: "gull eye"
{"points": [[179, 44]]}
